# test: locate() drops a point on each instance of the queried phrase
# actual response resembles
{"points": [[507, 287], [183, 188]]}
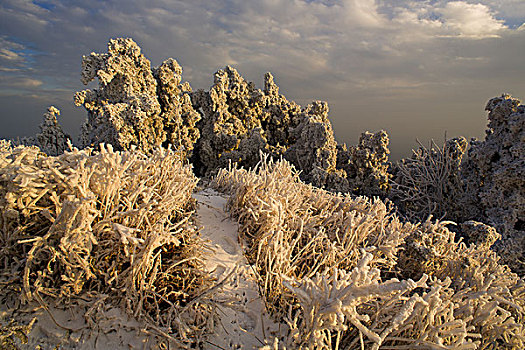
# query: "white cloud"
{"points": [[511, 11], [363, 13], [471, 20]]}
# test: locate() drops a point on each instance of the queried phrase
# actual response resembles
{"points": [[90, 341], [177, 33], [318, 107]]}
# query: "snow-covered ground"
{"points": [[243, 321]]}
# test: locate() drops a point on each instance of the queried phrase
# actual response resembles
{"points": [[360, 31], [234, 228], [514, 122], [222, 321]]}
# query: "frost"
{"points": [[315, 149], [239, 121], [177, 112], [480, 233], [51, 139], [232, 122], [114, 227], [483, 183], [430, 183], [330, 303]]}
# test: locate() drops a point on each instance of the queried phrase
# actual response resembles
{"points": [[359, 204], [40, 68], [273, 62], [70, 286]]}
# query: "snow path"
{"points": [[243, 322]]}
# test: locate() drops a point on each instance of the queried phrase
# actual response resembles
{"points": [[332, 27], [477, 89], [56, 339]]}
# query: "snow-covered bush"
{"points": [[108, 224], [347, 273], [430, 183], [484, 182], [366, 164], [136, 104], [240, 120]]}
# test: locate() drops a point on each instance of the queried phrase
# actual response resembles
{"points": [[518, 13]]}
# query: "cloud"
{"points": [[471, 20], [12, 53], [354, 53], [16, 84], [26, 83], [9, 55], [511, 11]]}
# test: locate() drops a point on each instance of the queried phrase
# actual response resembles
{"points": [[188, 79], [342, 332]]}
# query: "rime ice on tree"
{"points": [[496, 167], [52, 140], [135, 104]]}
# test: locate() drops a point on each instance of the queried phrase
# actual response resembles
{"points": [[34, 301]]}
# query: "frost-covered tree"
{"points": [[52, 140], [136, 104]]}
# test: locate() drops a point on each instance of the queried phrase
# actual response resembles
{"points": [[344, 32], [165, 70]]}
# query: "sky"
{"points": [[417, 69]]}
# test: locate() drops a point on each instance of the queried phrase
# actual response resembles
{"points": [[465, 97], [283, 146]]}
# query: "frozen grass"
{"points": [[110, 227], [346, 273], [298, 230]]}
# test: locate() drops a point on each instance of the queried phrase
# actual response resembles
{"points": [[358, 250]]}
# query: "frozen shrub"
{"points": [[430, 182], [315, 149], [135, 104], [306, 229], [330, 303], [240, 121], [147, 107], [485, 185], [347, 273], [480, 233], [111, 225], [177, 112], [51, 139], [5, 145], [232, 111], [486, 294]]}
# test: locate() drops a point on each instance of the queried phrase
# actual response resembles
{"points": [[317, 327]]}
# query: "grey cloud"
{"points": [[378, 63], [22, 82]]}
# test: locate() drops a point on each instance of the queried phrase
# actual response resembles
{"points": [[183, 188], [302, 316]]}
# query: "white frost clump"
{"points": [[240, 120], [484, 183], [330, 303], [5, 145], [232, 122], [315, 149], [107, 228], [431, 183], [52, 139], [366, 164]]}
